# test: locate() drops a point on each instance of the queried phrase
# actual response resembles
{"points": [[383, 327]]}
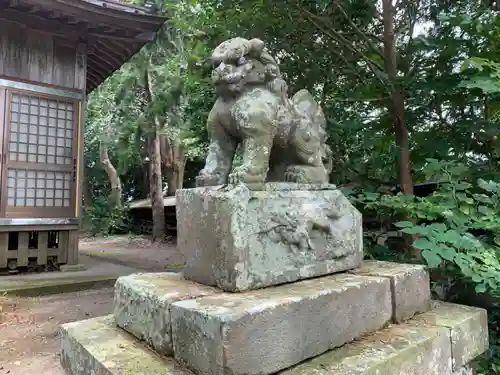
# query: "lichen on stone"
{"points": [[282, 138]]}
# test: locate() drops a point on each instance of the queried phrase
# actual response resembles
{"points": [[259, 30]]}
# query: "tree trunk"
{"points": [[173, 156], [114, 179], [155, 173], [155, 184], [175, 177], [396, 108], [490, 144], [396, 101]]}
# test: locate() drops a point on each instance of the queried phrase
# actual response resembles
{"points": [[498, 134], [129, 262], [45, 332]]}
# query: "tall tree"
{"points": [[102, 115], [396, 105]]}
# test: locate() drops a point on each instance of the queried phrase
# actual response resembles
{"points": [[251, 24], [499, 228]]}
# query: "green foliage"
{"points": [[119, 113], [104, 219], [458, 225], [488, 79]]}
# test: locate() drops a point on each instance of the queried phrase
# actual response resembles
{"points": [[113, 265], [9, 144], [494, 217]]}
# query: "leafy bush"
{"points": [[457, 227], [104, 219]]}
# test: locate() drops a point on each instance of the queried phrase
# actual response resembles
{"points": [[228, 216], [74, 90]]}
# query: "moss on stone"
{"points": [[97, 346], [401, 350], [468, 329]]}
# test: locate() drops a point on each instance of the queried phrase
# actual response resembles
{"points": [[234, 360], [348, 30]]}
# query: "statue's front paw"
{"points": [[245, 176], [239, 175], [302, 174], [295, 175]]}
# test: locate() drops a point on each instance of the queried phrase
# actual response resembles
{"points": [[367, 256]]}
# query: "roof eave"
{"points": [[113, 31]]}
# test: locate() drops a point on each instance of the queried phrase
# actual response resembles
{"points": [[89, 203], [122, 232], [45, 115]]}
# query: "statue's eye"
{"points": [[241, 61]]}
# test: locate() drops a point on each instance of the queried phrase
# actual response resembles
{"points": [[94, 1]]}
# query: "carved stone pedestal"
{"points": [[238, 239]]}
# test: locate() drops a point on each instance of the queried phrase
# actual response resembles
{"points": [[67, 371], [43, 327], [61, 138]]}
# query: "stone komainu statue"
{"points": [[281, 139]]}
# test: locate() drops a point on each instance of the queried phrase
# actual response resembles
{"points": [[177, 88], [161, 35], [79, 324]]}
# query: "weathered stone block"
{"points": [[96, 346], [142, 305], [401, 350], [264, 331], [420, 347], [410, 286], [239, 239], [468, 327]]}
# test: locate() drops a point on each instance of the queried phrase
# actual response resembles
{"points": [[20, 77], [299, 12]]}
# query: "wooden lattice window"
{"points": [[39, 167], [41, 130], [31, 188]]}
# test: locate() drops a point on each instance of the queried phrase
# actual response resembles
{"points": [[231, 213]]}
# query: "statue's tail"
{"points": [[303, 102]]}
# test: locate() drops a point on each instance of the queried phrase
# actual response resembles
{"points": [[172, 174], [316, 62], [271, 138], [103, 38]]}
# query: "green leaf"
{"points": [[438, 227], [469, 242], [404, 224], [464, 265], [464, 198], [447, 253], [486, 84], [476, 278], [432, 259], [462, 186], [452, 237], [423, 243], [480, 288], [443, 17], [483, 198], [488, 185], [414, 230], [485, 210]]}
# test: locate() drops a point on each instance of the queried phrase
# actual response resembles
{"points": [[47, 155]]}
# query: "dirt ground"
{"points": [[134, 251], [29, 342]]}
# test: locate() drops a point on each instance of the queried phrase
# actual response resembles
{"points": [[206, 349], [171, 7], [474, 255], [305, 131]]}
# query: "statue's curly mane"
{"points": [[246, 60]]}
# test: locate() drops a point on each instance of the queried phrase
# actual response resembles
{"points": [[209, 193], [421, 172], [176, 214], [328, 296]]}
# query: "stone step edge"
{"points": [[410, 294], [98, 346]]}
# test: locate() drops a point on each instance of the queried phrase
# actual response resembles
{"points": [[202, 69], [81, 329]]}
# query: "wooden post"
{"points": [[63, 247], [72, 247], [43, 242], [4, 247], [22, 249]]}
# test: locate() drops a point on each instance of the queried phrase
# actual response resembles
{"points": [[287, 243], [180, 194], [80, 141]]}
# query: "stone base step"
{"points": [[98, 347], [267, 330], [438, 342]]}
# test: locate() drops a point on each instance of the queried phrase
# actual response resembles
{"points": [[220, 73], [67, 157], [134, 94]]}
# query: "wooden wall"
{"points": [[39, 57]]}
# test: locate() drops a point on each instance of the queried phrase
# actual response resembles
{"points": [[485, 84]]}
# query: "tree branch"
{"points": [[374, 67], [412, 22], [358, 31]]}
